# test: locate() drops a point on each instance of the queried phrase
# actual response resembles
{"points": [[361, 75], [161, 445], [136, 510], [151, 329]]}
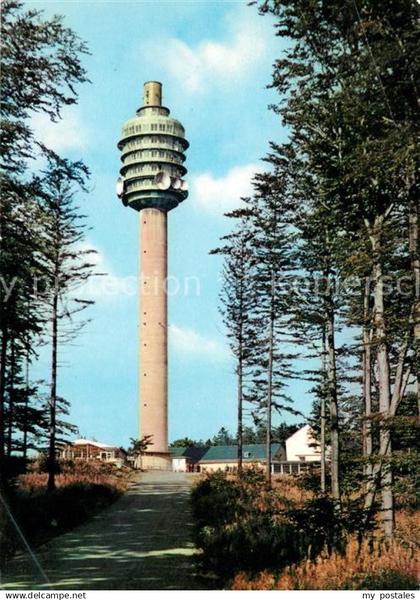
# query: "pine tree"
{"points": [[272, 242], [40, 67], [350, 99], [239, 299], [66, 265]]}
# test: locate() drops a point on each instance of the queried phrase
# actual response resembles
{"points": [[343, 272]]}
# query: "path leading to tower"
{"points": [[141, 542]]}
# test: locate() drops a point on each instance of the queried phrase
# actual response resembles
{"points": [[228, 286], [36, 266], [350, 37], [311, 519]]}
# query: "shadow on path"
{"points": [[141, 542]]}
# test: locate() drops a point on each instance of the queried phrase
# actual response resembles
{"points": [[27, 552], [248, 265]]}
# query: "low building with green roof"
{"points": [[296, 455], [223, 458]]}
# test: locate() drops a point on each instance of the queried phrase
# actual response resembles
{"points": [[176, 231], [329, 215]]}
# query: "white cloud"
{"points": [[106, 285], [67, 134], [211, 63], [188, 342], [219, 195]]}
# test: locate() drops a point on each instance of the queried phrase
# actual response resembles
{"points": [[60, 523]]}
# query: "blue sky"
{"points": [[214, 59]]}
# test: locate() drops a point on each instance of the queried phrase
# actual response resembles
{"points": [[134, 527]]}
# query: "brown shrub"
{"points": [[291, 488], [407, 527], [78, 472], [369, 565]]}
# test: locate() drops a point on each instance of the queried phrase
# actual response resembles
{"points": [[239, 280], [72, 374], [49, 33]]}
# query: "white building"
{"points": [[293, 457], [88, 450], [302, 447]]}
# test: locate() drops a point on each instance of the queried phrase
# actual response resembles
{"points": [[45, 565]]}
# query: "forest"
{"points": [[321, 267], [321, 284], [42, 261]]}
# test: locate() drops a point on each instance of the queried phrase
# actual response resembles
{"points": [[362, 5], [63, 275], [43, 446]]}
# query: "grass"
{"points": [[77, 473], [365, 565], [253, 537], [291, 490], [82, 490], [407, 527]]}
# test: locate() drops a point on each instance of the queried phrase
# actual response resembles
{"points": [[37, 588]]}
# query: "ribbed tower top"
{"points": [[152, 146], [152, 93]]}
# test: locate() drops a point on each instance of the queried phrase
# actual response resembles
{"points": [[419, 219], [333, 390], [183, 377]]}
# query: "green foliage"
{"points": [[223, 438], [42, 515], [251, 434], [244, 525], [138, 446], [252, 543], [40, 69], [339, 205], [12, 466], [385, 579], [232, 532], [186, 442]]}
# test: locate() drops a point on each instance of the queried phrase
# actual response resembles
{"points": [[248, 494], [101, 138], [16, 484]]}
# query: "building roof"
{"points": [[249, 452], [192, 452], [228, 453], [299, 432], [83, 442]]}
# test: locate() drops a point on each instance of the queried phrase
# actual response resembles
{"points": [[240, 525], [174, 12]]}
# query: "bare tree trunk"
{"points": [[240, 406], [11, 400], [367, 396], [53, 394], [333, 401], [25, 410], [323, 423], [4, 341], [270, 379], [384, 383], [331, 374], [415, 265]]}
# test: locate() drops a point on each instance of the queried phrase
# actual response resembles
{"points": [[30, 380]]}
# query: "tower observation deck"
{"points": [[153, 149], [152, 182]]}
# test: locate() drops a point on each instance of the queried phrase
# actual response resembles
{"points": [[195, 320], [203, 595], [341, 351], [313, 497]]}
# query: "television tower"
{"points": [[151, 181]]}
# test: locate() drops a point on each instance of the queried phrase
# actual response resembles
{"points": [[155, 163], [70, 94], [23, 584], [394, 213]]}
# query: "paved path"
{"points": [[142, 542]]}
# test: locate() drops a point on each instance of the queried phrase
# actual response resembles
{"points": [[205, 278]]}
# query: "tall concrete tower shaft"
{"points": [[153, 328], [153, 152]]}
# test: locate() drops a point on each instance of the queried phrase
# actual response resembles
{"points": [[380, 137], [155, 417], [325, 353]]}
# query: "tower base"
{"points": [[154, 461]]}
